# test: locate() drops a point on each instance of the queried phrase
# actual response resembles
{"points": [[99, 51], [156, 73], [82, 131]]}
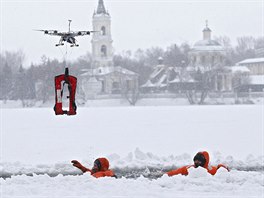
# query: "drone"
{"points": [[68, 37]]}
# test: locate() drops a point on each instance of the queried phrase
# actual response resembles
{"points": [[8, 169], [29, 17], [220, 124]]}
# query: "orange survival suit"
{"points": [[200, 159], [100, 168]]}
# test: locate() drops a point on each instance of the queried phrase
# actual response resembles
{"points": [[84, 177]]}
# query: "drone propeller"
{"points": [[39, 30], [48, 31]]}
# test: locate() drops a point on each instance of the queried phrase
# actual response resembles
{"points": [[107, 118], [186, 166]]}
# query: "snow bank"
{"points": [[223, 184], [37, 147], [131, 166]]}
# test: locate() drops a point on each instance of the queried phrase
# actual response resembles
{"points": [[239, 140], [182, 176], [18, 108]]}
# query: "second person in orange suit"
{"points": [[200, 159], [100, 168]]}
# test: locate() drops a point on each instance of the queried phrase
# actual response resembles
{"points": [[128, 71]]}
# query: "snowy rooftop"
{"points": [[257, 79], [106, 15], [251, 60], [161, 82], [207, 42], [235, 69], [108, 70], [156, 72], [207, 29], [207, 45], [208, 48], [148, 84]]}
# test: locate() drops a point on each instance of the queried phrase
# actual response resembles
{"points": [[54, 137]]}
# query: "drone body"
{"points": [[68, 37]]}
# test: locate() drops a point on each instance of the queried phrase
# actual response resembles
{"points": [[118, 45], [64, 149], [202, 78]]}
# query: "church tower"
{"points": [[102, 49], [207, 32]]}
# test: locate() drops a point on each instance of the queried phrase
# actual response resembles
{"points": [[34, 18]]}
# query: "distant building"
{"points": [[208, 55], [255, 65], [256, 74], [102, 49], [260, 52], [105, 77], [166, 77]]}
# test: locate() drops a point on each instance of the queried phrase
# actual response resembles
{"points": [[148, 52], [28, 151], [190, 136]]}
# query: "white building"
{"points": [[102, 49], [256, 76], [255, 65], [105, 77], [208, 55]]}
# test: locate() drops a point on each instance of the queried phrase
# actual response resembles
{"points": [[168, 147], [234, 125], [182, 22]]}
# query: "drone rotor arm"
{"points": [[51, 32], [83, 33]]}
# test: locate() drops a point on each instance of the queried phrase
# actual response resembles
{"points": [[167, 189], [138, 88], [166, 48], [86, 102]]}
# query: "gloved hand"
{"points": [[224, 166], [79, 165], [76, 163]]}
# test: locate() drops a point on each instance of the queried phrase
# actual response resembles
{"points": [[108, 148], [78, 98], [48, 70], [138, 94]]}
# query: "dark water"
{"points": [[151, 173]]}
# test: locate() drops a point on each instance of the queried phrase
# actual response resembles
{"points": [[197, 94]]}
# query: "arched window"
{"points": [[213, 60], [194, 59], [221, 59], [103, 30], [203, 59], [103, 51]]}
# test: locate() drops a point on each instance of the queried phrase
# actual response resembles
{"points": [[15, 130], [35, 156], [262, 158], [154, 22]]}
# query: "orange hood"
{"points": [[104, 164], [207, 158]]}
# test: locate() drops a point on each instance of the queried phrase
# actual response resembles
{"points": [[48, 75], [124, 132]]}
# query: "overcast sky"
{"points": [[135, 23]]}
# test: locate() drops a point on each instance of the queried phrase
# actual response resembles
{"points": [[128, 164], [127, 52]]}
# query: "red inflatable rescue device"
{"points": [[60, 81]]}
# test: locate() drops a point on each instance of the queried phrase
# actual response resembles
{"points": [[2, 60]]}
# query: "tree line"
{"points": [[36, 82]]}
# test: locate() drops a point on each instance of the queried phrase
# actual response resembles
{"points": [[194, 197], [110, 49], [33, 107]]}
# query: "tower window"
{"points": [[203, 59], [194, 59], [103, 51], [103, 30], [213, 60]]}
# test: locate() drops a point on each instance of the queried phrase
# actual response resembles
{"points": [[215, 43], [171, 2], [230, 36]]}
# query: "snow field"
{"points": [[40, 144], [198, 184]]}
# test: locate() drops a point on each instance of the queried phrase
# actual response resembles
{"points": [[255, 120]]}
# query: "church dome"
{"points": [[207, 45]]}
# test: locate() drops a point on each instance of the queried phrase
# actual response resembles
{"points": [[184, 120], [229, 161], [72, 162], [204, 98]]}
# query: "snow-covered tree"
{"points": [[6, 82]]}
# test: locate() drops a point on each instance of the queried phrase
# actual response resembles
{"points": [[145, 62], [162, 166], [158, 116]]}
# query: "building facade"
{"points": [[104, 77], [255, 65], [206, 70], [255, 81], [209, 56], [102, 49]]}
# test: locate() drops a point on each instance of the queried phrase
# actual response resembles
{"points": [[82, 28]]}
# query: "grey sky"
{"points": [[135, 24]]}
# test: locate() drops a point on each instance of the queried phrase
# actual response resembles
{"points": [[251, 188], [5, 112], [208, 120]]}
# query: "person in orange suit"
{"points": [[200, 159], [100, 168]]}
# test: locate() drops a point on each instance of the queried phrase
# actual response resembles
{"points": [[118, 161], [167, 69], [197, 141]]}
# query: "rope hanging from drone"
{"points": [[63, 79], [60, 82]]}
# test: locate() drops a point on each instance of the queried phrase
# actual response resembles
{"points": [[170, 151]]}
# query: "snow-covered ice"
{"points": [[37, 147]]}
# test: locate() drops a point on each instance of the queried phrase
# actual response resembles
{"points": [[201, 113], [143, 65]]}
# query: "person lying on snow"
{"points": [[200, 159], [100, 168]]}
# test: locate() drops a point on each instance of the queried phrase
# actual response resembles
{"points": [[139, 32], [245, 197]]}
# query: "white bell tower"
{"points": [[102, 49]]}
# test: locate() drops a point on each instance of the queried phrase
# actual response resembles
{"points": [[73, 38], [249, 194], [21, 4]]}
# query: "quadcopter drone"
{"points": [[68, 37]]}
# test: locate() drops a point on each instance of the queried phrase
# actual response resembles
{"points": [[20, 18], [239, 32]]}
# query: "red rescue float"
{"points": [[60, 81]]}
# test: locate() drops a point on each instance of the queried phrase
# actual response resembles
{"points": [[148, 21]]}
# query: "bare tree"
{"points": [[245, 47], [14, 59], [259, 43], [6, 81]]}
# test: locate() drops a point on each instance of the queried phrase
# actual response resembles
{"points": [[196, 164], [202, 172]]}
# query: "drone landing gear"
{"points": [[59, 44], [60, 81]]}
